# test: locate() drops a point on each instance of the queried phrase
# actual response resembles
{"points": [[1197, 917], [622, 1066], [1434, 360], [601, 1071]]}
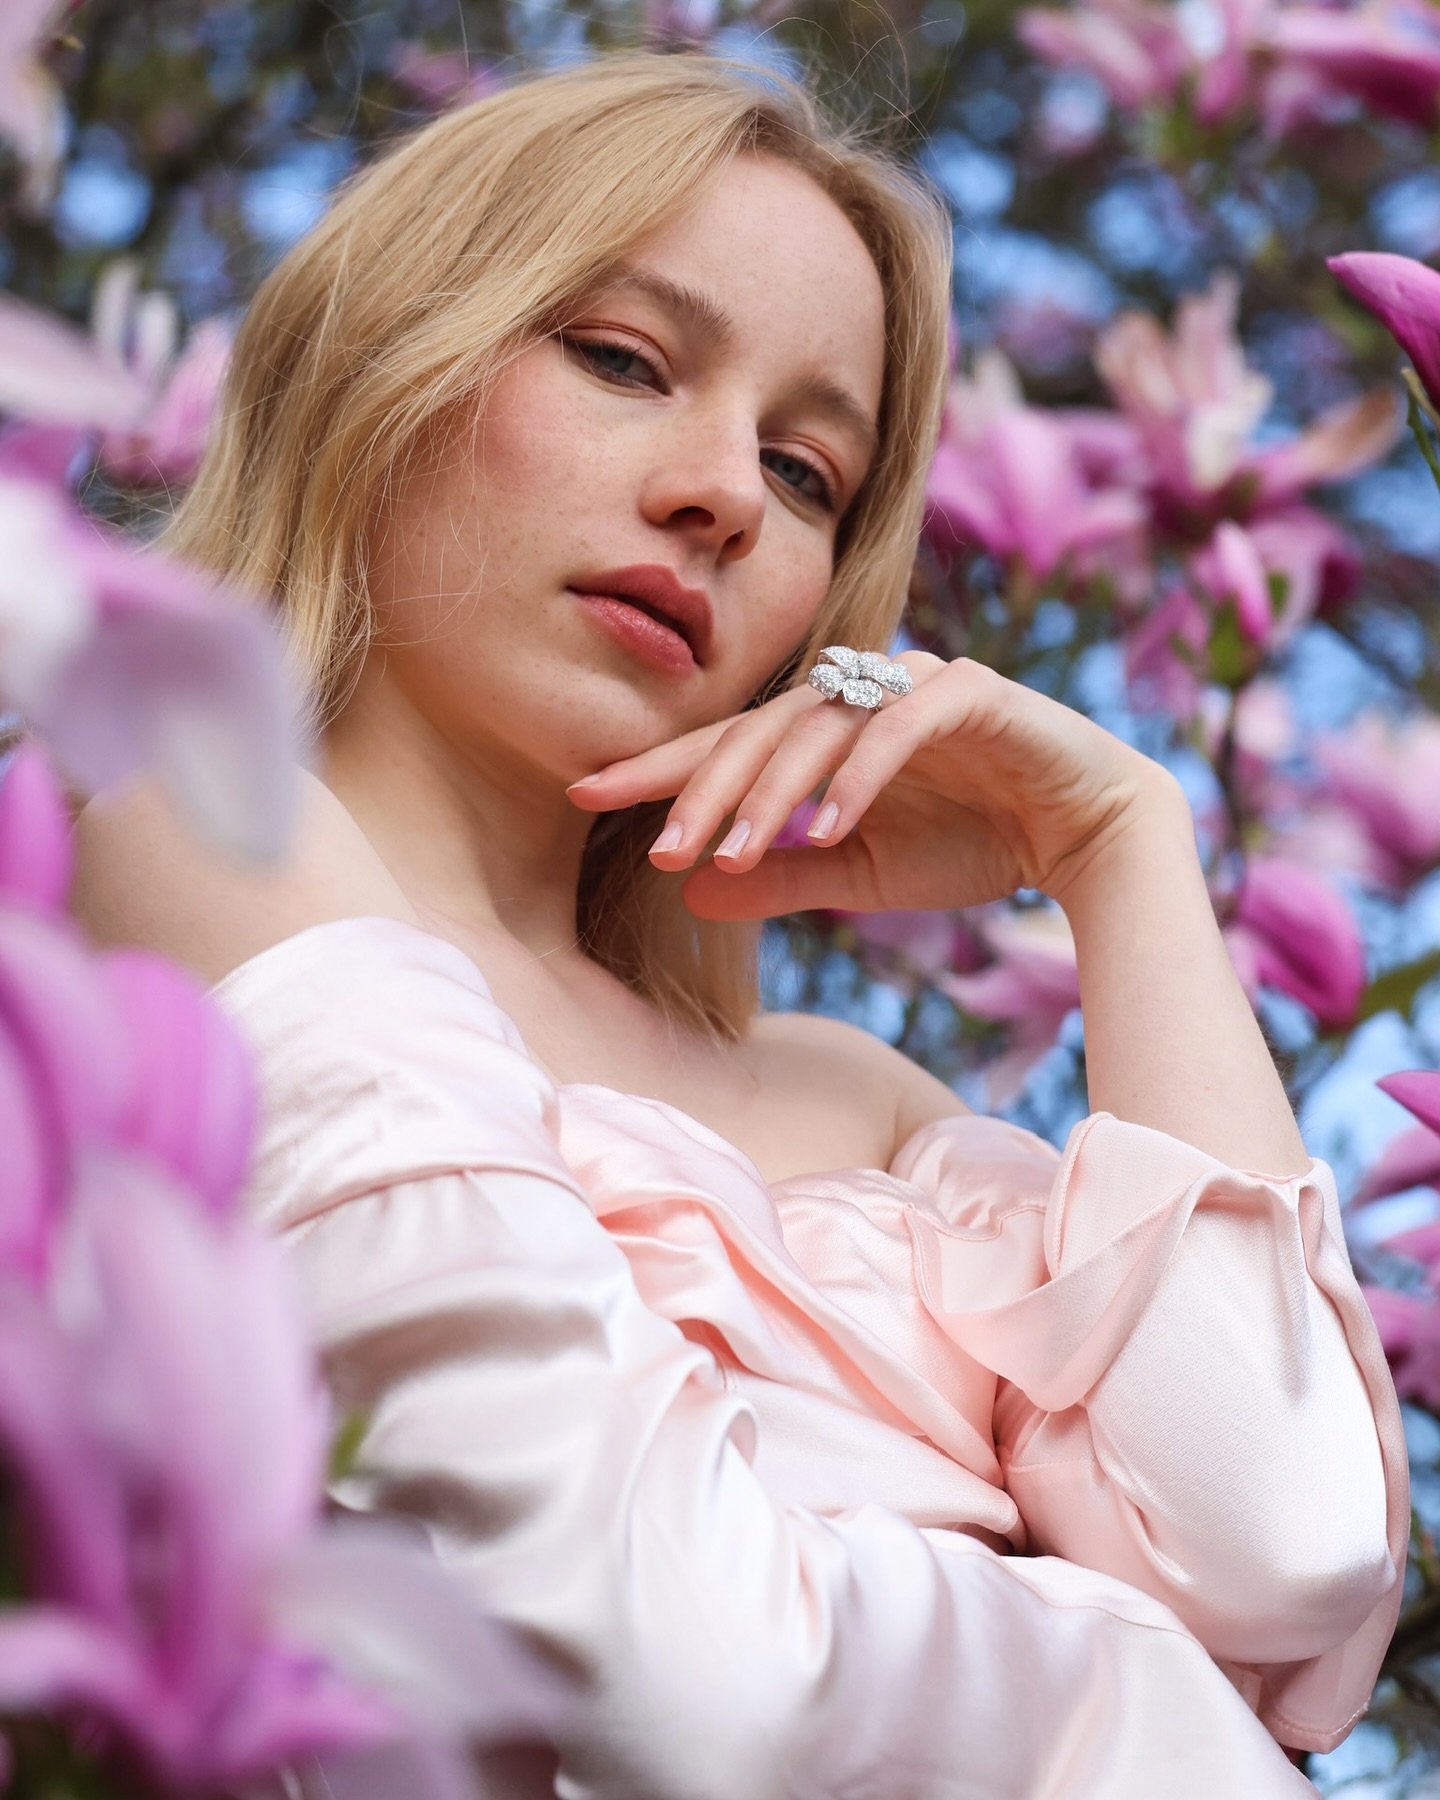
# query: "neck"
{"points": [[477, 837]]}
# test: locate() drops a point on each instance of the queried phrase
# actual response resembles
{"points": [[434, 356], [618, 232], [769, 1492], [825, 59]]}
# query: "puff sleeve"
{"points": [[583, 1466], [1193, 1395]]}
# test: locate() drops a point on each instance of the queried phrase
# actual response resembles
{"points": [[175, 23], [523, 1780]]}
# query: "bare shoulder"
{"points": [[143, 877], [846, 1059]]}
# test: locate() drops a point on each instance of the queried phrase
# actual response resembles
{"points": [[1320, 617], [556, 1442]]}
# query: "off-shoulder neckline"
{"points": [[286, 945]]}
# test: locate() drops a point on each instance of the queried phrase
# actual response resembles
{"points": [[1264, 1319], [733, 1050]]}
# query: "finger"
{"points": [[664, 768], [936, 708], [761, 781], [808, 752], [786, 881]]}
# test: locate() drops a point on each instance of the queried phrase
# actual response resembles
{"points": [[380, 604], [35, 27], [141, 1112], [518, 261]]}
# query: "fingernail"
{"points": [[824, 821], [585, 781], [735, 842], [669, 838]]}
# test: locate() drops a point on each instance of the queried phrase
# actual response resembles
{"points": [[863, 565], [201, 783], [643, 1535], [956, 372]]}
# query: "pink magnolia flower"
{"points": [[1418, 1091], [162, 1426], [1137, 50], [1189, 393], [1387, 772], [1409, 1328], [1384, 54], [124, 659], [1032, 985], [1008, 477], [50, 370], [165, 444], [1405, 296], [1292, 931], [1344, 440], [31, 116], [121, 657], [1411, 1159], [1195, 402], [90, 1045], [1165, 655], [1229, 568], [165, 1438], [1330, 838]]}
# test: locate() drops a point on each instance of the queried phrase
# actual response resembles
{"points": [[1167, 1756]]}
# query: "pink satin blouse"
{"points": [[1004, 1473]]}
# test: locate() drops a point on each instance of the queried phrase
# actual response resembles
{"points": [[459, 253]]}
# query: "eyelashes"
{"points": [[593, 349]]}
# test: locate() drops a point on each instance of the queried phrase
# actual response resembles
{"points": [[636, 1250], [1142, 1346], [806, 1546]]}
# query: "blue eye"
{"points": [[826, 495], [597, 349], [593, 352]]}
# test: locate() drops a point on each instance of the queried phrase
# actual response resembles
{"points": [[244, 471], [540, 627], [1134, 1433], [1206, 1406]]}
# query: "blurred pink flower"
{"points": [[1384, 54], [1166, 657], [1344, 440], [1409, 1328], [50, 370], [1008, 478], [121, 1050], [1319, 562], [1229, 568], [1418, 1091], [31, 115], [1189, 393], [123, 659], [163, 1429], [1405, 296], [1410, 1159], [929, 943], [1329, 837], [1293, 932], [165, 448], [1032, 985], [165, 1438], [1387, 772], [1136, 49]]}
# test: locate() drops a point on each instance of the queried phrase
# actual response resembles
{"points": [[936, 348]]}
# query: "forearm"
{"points": [[1170, 1037]]}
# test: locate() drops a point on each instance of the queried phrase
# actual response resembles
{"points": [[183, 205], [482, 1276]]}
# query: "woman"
{"points": [[964, 1467]]}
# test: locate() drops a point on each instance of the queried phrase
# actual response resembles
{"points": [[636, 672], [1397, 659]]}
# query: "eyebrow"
{"points": [[710, 320]]}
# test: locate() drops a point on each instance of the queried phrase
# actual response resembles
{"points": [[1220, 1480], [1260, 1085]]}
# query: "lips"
{"points": [[654, 589]]}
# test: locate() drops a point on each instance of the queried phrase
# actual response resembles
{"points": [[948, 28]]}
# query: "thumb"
{"points": [[786, 880]]}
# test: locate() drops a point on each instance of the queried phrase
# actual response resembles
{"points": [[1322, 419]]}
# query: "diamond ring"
{"points": [[859, 676]]}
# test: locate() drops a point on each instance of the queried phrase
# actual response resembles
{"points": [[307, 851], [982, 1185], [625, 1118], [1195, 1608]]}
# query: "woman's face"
{"points": [[640, 435]]}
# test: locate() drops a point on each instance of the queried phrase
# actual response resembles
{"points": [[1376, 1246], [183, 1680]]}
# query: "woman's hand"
{"points": [[957, 793]]}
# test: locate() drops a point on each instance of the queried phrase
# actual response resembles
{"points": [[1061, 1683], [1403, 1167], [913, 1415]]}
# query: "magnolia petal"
{"points": [[1405, 296], [1418, 1090], [36, 853], [192, 1100], [55, 1007], [1410, 1159], [187, 678], [47, 606], [51, 1658], [370, 1594], [50, 370], [65, 1488]]}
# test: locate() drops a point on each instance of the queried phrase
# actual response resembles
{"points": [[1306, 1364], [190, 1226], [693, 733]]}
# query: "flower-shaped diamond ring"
{"points": [[859, 676]]}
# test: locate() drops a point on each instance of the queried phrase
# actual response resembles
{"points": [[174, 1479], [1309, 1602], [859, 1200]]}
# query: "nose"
{"points": [[706, 480]]}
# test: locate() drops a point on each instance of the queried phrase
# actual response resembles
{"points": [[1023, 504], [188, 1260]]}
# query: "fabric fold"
{"points": [[1193, 1396], [720, 1448]]}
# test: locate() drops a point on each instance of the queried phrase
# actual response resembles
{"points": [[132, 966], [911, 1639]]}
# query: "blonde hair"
{"points": [[437, 264]]}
